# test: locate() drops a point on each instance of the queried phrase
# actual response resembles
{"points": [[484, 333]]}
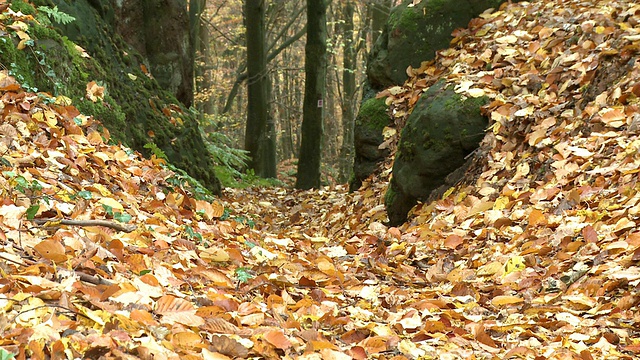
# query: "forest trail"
{"points": [[537, 258]]}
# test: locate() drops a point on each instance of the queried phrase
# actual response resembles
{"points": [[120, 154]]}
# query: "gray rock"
{"points": [[442, 130], [371, 120], [412, 35]]}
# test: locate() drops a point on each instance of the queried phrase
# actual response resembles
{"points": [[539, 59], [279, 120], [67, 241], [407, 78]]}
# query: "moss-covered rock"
{"points": [[411, 35], [135, 109], [442, 130], [414, 33], [371, 120]]}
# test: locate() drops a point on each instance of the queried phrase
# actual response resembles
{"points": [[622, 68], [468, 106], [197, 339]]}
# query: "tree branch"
{"points": [[105, 223], [242, 72]]}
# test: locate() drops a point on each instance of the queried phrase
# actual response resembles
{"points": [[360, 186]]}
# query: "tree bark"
{"points": [[260, 131], [348, 94], [315, 73], [199, 34], [379, 13]]}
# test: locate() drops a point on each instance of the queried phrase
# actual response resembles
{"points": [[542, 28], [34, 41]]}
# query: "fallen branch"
{"points": [[105, 223], [95, 280]]}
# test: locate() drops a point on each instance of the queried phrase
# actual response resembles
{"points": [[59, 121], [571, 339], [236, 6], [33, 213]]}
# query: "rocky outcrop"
{"points": [[442, 130], [135, 108], [371, 120], [412, 35]]}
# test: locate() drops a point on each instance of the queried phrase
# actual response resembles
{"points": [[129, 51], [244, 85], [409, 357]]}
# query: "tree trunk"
{"points": [[315, 71], [379, 13], [200, 44], [259, 134], [168, 46], [348, 94]]}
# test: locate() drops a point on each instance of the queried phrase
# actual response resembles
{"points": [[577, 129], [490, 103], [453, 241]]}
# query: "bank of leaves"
{"points": [[103, 254]]}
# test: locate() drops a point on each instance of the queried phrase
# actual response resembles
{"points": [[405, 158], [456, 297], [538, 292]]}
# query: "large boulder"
{"points": [[442, 130], [412, 35]]}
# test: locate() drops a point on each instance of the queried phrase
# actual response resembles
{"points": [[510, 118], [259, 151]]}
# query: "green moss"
{"points": [[16, 62], [53, 64], [22, 6], [373, 114], [473, 105], [408, 150], [406, 19], [390, 196], [435, 5]]}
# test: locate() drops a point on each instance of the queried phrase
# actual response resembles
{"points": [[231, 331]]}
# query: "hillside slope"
{"points": [[535, 257]]}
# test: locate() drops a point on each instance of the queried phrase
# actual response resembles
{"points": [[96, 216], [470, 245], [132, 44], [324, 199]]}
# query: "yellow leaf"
{"points": [[102, 156], [395, 90], [506, 300], [624, 224], [475, 92], [50, 117], [501, 203], [448, 192], [326, 266], [490, 269], [214, 254], [111, 202], [100, 317], [516, 263], [63, 100]]}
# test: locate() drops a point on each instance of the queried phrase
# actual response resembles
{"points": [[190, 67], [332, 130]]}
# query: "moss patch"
{"points": [[135, 109], [373, 114]]}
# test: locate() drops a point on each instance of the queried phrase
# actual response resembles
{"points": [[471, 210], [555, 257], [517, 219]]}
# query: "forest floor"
{"points": [[537, 256]]}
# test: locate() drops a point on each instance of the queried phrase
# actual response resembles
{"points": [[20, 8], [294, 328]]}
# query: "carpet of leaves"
{"points": [[537, 258]]}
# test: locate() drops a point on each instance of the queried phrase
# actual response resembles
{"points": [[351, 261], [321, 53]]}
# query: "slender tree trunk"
{"points": [[379, 13], [259, 134], [315, 72], [200, 42], [348, 94]]}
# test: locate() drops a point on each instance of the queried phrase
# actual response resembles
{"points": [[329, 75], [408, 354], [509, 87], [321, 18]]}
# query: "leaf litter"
{"points": [[536, 257]]}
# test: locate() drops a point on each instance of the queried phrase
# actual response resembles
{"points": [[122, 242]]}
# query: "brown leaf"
{"points": [[589, 234], [228, 346], [536, 217], [453, 241], [174, 310], [169, 303], [186, 340], [220, 326], [51, 250], [277, 339]]}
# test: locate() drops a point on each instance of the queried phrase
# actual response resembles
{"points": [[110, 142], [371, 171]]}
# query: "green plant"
{"points": [[56, 15], [5, 355], [31, 189], [118, 216], [192, 234], [243, 274], [180, 178], [223, 153]]}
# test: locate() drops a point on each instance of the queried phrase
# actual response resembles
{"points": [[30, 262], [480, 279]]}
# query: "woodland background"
{"points": [[106, 253]]}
